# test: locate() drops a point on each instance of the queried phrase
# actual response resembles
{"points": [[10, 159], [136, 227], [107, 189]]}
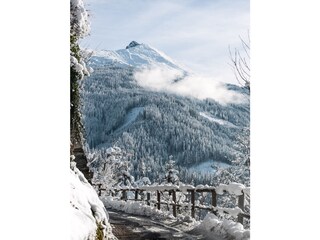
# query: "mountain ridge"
{"points": [[136, 55]]}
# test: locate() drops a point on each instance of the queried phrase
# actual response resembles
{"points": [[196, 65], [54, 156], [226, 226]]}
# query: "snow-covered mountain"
{"points": [[153, 124], [134, 55]]}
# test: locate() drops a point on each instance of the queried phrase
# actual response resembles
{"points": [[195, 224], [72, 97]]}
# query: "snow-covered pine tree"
{"points": [[104, 166], [142, 168], [142, 175], [171, 173], [122, 167]]}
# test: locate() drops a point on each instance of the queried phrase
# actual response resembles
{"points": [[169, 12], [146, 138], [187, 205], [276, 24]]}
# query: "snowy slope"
{"points": [[86, 209], [135, 55]]}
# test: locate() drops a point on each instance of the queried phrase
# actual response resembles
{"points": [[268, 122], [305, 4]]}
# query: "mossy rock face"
{"points": [[99, 232]]}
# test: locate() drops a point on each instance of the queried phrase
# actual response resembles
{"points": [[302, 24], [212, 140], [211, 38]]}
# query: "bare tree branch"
{"points": [[240, 63]]}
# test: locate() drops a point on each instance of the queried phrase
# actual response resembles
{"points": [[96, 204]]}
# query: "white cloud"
{"points": [[162, 79]]}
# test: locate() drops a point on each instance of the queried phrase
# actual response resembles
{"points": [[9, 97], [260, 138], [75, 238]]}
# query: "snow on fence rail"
{"points": [[234, 188]]}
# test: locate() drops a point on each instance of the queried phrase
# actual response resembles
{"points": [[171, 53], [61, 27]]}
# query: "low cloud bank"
{"points": [[163, 79]]}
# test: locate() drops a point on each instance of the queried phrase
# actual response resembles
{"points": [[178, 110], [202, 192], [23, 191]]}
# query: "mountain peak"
{"points": [[132, 44], [135, 55]]}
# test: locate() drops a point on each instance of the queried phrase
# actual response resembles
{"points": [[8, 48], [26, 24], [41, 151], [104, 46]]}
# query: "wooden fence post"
{"points": [[193, 203], [241, 206], [214, 200], [174, 206], [173, 202], [136, 195], [158, 199], [124, 195], [99, 189], [148, 198]]}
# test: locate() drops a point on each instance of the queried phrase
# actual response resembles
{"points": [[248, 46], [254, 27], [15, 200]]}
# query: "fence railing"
{"points": [[235, 189]]}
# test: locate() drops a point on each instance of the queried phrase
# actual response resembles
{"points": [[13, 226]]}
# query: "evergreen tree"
{"points": [[171, 173], [122, 167], [105, 166], [123, 175]]}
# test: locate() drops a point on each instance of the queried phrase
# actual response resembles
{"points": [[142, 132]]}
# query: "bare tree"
{"points": [[240, 63]]}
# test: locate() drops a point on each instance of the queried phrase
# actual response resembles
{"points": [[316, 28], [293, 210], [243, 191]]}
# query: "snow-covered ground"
{"points": [[141, 227], [138, 208], [211, 227], [87, 211]]}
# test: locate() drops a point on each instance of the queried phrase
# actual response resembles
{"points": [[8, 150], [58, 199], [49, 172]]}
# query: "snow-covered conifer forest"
{"points": [[151, 125]]}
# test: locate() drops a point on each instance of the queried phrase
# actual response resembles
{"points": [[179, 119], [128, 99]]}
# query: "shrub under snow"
{"points": [[212, 227]]}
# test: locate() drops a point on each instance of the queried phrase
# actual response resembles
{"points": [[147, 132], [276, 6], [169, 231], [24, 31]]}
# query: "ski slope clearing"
{"points": [[206, 167], [219, 121], [130, 117]]}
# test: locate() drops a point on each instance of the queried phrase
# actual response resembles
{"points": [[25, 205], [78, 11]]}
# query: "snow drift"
{"points": [[87, 211], [212, 228]]}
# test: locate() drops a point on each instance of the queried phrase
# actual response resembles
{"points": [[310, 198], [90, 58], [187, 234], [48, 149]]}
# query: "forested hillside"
{"points": [[151, 125]]}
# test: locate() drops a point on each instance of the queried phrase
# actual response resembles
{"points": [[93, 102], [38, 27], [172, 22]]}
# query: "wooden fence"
{"points": [[172, 192]]}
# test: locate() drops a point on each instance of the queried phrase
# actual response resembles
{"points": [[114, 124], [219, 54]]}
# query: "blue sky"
{"points": [[196, 33]]}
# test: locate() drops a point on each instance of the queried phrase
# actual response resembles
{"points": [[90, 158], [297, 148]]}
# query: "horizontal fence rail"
{"points": [[234, 188]]}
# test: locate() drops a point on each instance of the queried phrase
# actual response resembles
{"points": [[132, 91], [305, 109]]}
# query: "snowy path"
{"points": [[125, 226]]}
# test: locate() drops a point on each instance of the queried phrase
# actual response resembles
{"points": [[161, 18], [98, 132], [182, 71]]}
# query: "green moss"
{"points": [[99, 232]]}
